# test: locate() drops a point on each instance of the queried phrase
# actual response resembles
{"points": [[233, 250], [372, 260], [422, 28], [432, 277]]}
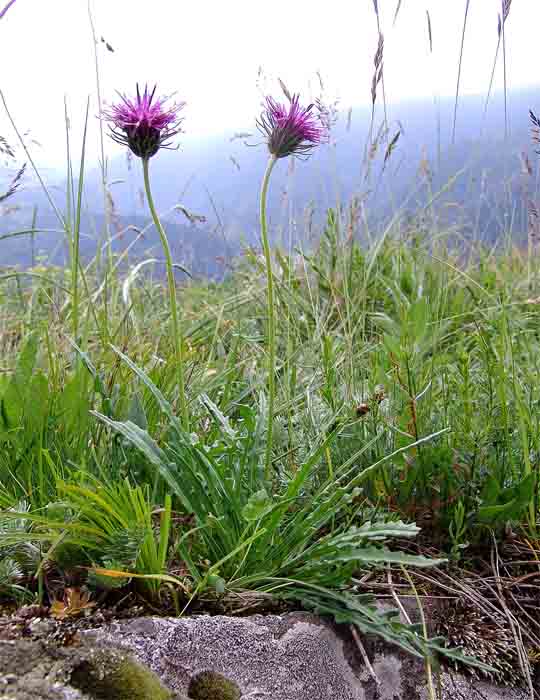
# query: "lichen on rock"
{"points": [[31, 670]]}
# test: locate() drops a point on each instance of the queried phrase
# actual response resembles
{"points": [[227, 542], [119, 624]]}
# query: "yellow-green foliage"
{"points": [[213, 686], [106, 675]]}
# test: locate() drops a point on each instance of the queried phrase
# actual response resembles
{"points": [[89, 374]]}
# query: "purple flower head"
{"points": [[143, 124], [290, 129]]}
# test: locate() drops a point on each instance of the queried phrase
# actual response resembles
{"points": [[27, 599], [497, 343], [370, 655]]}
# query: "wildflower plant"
{"points": [[289, 130], [146, 124]]}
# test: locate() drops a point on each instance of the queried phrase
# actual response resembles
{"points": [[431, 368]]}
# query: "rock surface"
{"points": [[37, 670], [290, 657]]}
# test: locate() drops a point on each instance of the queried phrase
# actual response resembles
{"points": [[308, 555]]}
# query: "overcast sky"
{"points": [[210, 51]]}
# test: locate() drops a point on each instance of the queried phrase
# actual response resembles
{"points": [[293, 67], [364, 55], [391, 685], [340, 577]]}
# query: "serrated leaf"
{"points": [[382, 530], [382, 555]]}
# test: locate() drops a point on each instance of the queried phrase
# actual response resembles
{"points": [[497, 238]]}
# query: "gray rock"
{"points": [[290, 657], [40, 670]]}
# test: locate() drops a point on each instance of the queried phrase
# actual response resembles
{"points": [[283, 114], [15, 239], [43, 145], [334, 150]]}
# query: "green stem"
{"points": [[271, 324], [178, 339]]}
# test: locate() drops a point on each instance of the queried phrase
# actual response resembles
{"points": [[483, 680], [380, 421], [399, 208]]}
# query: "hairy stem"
{"points": [[176, 328], [271, 321]]}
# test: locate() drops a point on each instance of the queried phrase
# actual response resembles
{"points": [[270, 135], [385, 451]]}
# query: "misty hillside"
{"points": [[485, 187]]}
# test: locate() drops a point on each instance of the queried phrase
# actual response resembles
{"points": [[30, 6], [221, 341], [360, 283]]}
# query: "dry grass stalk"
{"points": [[535, 131], [430, 32], [112, 212], [526, 167], [365, 657], [14, 184], [378, 73], [513, 623], [380, 47], [5, 148], [505, 12], [501, 20], [424, 167], [391, 146], [534, 222], [468, 2], [396, 13], [506, 5], [349, 118]]}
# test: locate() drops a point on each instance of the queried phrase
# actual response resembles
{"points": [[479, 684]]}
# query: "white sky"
{"points": [[210, 50]]}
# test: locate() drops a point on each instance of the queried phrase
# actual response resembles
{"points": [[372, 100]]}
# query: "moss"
{"points": [[106, 675], [42, 670], [213, 686]]}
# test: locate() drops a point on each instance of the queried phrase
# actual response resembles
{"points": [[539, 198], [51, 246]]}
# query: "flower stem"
{"points": [[271, 323], [176, 328]]}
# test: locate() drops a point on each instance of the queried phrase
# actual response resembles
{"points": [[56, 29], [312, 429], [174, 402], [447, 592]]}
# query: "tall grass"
{"points": [[406, 392], [382, 414]]}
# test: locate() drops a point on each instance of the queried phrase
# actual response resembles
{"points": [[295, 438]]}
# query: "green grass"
{"points": [[406, 407], [371, 408]]}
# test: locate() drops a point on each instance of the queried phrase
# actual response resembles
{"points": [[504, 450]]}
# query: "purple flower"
{"points": [[6, 8], [143, 124], [290, 129]]}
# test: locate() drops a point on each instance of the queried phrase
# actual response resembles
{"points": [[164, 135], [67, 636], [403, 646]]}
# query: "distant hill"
{"points": [[220, 179], [201, 251]]}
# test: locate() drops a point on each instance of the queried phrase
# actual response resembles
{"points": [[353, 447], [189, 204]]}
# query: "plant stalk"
{"points": [[271, 321], [177, 331]]}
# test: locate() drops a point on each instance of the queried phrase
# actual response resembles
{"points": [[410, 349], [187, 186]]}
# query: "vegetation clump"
{"points": [[46, 670], [209, 685], [487, 638], [106, 674], [379, 415]]}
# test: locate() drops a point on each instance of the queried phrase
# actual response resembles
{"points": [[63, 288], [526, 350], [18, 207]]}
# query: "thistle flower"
{"points": [[291, 130], [143, 124]]}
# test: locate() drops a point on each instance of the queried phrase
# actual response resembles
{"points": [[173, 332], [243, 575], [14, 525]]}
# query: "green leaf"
{"points": [[517, 497], [498, 514], [139, 437], [149, 447], [218, 583], [382, 555], [164, 405], [75, 405], [13, 401], [383, 530], [221, 419], [136, 412], [491, 490], [36, 405], [257, 506]]}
